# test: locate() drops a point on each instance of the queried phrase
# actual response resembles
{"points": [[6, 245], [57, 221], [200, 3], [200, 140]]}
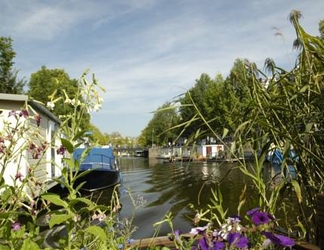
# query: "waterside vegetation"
{"points": [[263, 110], [259, 110]]}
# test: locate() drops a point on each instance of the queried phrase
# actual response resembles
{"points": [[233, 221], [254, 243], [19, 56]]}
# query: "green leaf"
{"points": [[55, 199], [6, 194], [225, 132], [309, 127], [29, 245], [4, 247], [297, 190], [97, 231], [2, 181], [68, 145], [77, 188], [71, 163], [79, 135], [83, 200], [83, 173], [57, 219]]}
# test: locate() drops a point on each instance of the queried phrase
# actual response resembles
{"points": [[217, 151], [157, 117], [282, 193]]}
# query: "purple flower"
{"points": [[175, 236], [236, 217], [260, 218], [253, 211], [15, 226], [279, 239], [218, 245], [237, 240], [203, 244], [130, 241]]}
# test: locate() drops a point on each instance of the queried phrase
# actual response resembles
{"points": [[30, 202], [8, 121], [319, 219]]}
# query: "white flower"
{"points": [[68, 101], [50, 105], [100, 100], [75, 103], [96, 107], [100, 216], [266, 243], [197, 230]]}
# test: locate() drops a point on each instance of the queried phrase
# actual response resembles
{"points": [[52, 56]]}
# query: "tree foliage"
{"points": [[237, 93], [197, 99], [161, 128], [9, 82], [45, 82], [321, 29], [97, 136], [215, 104]]}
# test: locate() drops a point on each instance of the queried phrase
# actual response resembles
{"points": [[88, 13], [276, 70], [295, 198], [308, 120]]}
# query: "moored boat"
{"points": [[101, 167], [276, 159]]}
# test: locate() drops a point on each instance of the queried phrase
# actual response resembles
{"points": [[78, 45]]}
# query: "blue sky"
{"points": [[146, 52]]}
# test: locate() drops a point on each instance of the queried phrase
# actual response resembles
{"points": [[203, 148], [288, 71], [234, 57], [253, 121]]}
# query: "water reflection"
{"points": [[171, 188]]}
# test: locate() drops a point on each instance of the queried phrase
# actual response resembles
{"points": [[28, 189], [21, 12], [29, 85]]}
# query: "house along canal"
{"points": [[158, 188]]}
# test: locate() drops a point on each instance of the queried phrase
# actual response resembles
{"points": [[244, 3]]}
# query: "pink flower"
{"points": [[2, 149], [24, 113], [12, 113], [19, 176], [61, 150], [32, 146], [38, 119], [15, 226]]}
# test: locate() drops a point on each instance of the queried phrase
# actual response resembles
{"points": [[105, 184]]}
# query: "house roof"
{"points": [[13, 97], [41, 108], [35, 105]]}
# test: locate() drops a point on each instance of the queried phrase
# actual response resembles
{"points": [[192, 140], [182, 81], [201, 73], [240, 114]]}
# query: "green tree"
{"points": [[96, 135], [321, 29], [45, 82], [237, 93], [215, 106], [199, 98], [161, 130], [9, 82]]}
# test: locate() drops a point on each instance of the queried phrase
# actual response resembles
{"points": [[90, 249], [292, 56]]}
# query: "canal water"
{"points": [[151, 189]]}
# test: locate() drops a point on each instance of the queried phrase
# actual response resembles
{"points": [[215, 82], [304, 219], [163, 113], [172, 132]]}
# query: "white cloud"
{"points": [[146, 52]]}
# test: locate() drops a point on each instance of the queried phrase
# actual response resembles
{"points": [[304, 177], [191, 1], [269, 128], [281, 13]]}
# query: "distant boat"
{"points": [[275, 157], [164, 156], [101, 167]]}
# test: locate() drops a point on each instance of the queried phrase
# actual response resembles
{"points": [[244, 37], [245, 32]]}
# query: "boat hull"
{"points": [[98, 179]]}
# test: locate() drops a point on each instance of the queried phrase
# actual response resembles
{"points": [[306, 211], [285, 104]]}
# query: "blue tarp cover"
{"points": [[103, 157], [275, 156]]}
